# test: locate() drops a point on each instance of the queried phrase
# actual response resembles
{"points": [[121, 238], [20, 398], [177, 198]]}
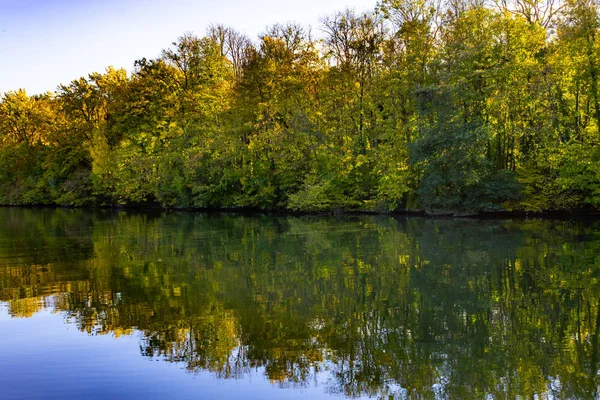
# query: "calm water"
{"points": [[124, 305]]}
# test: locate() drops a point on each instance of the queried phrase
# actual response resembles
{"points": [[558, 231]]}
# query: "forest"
{"points": [[456, 107]]}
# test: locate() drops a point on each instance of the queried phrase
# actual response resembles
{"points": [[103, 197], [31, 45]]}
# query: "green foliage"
{"points": [[580, 174], [453, 108], [455, 174], [321, 196]]}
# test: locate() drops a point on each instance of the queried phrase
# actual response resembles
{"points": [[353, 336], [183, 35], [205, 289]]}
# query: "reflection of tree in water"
{"points": [[408, 307]]}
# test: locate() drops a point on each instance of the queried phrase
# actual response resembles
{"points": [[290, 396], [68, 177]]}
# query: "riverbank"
{"points": [[152, 208]]}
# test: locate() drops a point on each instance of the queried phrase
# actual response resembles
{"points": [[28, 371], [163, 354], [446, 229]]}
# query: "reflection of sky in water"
{"points": [[444, 308], [43, 358]]}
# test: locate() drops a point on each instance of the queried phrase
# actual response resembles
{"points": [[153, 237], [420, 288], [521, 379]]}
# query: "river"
{"points": [[114, 304]]}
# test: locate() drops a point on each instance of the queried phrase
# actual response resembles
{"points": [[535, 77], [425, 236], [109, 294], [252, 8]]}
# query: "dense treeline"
{"points": [[460, 107]]}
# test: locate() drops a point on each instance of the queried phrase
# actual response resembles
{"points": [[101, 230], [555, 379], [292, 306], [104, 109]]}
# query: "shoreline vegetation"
{"points": [[459, 109], [576, 215]]}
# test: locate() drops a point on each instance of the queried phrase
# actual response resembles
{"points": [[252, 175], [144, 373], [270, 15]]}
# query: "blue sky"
{"points": [[47, 42]]}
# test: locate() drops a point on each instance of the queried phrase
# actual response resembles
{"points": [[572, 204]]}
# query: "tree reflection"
{"points": [[389, 307]]}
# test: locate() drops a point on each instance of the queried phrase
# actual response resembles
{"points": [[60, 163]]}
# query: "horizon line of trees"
{"points": [[463, 106]]}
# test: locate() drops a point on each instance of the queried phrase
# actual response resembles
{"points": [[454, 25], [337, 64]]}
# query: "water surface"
{"points": [[174, 305]]}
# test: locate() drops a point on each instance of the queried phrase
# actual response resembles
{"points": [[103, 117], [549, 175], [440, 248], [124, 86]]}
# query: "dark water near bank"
{"points": [[117, 305]]}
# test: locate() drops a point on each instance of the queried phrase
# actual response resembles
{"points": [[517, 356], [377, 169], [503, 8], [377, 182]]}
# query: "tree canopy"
{"points": [[460, 107]]}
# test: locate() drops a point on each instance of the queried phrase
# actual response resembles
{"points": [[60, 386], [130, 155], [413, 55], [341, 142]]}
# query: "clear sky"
{"points": [[47, 42]]}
